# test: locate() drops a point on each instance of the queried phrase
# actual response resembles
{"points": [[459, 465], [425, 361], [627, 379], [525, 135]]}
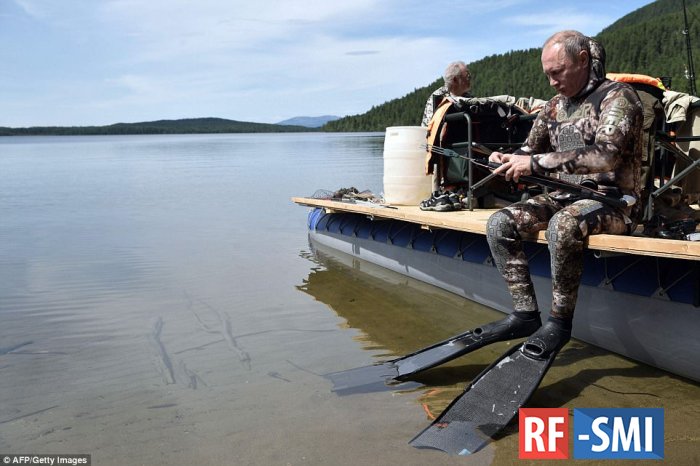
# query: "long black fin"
{"points": [[487, 405], [386, 375]]}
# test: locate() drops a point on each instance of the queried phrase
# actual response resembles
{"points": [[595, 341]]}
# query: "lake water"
{"points": [[160, 304]]}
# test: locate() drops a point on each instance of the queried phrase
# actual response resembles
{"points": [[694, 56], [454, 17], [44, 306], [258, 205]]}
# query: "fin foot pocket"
{"points": [[549, 339], [511, 327]]}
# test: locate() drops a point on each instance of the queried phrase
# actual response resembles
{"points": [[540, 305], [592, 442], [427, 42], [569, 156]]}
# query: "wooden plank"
{"points": [[641, 245], [475, 222]]}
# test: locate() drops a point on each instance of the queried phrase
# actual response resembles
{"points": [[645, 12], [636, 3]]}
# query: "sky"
{"points": [[97, 62]]}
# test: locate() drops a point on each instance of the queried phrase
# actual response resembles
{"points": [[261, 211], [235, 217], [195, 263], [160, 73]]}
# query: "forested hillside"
{"points": [[648, 41]]}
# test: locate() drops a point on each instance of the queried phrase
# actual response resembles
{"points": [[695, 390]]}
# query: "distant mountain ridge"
{"points": [[182, 126], [309, 122]]}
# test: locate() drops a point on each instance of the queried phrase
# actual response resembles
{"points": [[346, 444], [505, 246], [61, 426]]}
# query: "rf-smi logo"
{"points": [[599, 433], [618, 433]]}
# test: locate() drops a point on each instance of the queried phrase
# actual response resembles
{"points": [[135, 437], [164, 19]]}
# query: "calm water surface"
{"points": [[160, 304]]}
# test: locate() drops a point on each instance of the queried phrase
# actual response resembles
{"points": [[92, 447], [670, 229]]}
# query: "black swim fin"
{"points": [[493, 398], [375, 377]]}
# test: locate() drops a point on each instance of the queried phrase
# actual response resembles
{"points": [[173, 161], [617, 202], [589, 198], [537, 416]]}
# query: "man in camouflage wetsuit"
{"points": [[590, 130]]}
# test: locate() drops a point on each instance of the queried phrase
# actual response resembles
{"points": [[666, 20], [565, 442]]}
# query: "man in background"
{"points": [[458, 83]]}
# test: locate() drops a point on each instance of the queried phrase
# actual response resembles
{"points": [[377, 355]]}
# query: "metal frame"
{"points": [[663, 143]]}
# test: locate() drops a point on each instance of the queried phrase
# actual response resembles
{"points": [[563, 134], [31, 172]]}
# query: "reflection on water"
{"points": [[397, 315]]}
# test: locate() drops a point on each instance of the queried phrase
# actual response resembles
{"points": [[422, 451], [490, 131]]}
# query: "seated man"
{"points": [[590, 129], [458, 83]]}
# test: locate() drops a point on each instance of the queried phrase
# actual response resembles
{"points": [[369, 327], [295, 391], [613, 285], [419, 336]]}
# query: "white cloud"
{"points": [[30, 7], [166, 29], [561, 19]]}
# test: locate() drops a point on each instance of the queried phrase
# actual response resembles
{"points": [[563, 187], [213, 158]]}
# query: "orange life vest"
{"points": [[434, 130], [636, 78]]}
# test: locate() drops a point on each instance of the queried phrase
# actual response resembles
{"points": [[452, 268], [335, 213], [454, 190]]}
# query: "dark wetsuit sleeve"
{"points": [[538, 139]]}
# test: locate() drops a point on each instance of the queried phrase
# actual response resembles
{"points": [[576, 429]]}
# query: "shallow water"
{"points": [[161, 304]]}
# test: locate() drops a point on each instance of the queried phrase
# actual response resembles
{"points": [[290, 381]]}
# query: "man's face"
{"points": [[565, 75], [461, 83]]}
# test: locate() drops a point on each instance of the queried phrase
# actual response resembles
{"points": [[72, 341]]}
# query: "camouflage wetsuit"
{"points": [[594, 135]]}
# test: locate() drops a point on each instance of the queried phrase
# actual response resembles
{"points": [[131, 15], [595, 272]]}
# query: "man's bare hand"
{"points": [[512, 166], [496, 157]]}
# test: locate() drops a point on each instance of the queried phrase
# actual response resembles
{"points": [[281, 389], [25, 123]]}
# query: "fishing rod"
{"points": [[690, 70], [582, 191]]}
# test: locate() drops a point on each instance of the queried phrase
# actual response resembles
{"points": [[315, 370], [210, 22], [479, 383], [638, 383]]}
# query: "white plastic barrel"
{"points": [[405, 181]]}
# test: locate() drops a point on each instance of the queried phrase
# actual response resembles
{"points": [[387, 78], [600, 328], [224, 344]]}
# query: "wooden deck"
{"points": [[475, 222]]}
